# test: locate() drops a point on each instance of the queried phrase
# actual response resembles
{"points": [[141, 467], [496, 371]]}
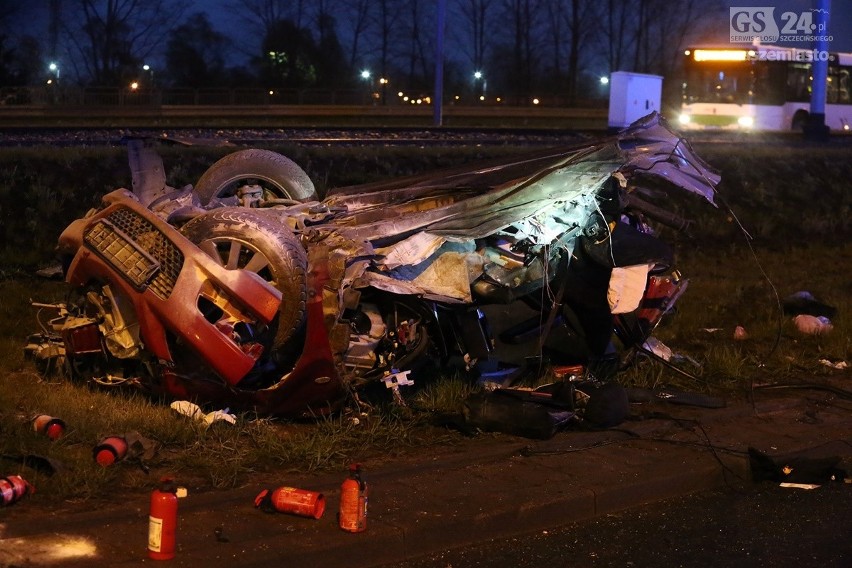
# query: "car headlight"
{"points": [[745, 121], [684, 118]]}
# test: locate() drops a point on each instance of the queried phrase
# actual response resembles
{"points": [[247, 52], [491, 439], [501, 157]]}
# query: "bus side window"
{"points": [[843, 86], [798, 83], [769, 83], [837, 90], [831, 88]]}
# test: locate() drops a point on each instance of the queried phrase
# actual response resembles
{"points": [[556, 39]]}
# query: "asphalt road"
{"points": [[762, 526]]}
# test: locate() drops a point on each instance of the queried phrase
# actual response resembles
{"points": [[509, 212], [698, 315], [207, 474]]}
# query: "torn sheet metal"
{"points": [[413, 250]]}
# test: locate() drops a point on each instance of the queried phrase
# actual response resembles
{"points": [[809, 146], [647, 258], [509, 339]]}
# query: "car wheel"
{"points": [[245, 239], [800, 120], [279, 176]]}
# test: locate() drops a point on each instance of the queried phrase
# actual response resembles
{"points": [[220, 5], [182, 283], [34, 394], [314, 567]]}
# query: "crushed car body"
{"points": [[248, 291]]}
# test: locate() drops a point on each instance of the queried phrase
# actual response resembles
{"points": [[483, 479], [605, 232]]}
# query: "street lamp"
{"points": [[150, 72], [54, 68], [366, 76], [383, 81], [604, 80], [477, 77]]}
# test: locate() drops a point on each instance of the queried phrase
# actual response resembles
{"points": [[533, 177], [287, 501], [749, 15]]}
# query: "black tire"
{"points": [[246, 239], [800, 120], [280, 176]]}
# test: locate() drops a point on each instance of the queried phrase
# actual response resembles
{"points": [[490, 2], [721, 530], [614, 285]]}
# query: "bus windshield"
{"points": [[718, 84]]}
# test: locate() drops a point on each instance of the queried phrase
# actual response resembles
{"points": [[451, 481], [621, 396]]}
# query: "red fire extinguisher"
{"points": [[14, 488], [48, 425], [353, 501], [291, 500], [162, 520]]}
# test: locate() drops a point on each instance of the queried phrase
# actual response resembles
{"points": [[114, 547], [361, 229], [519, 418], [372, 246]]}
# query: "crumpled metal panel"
{"points": [[544, 197]]}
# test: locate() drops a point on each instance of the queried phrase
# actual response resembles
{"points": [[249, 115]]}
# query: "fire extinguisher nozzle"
{"points": [[50, 426], [110, 450]]}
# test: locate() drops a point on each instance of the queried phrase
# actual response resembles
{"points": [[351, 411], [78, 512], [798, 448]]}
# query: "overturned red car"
{"points": [[248, 291]]}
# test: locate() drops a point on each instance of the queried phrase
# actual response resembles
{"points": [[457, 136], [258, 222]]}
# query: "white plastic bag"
{"points": [[626, 287]]}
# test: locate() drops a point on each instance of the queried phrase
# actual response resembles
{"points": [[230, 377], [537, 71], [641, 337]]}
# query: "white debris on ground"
{"points": [[194, 411]]}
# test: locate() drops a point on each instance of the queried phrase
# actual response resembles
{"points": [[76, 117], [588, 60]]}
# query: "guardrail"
{"points": [[59, 95], [116, 108]]}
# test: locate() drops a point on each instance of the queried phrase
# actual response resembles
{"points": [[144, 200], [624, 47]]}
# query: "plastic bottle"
{"points": [[353, 501]]}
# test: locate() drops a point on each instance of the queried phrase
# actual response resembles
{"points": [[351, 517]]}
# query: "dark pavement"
{"points": [[484, 488]]}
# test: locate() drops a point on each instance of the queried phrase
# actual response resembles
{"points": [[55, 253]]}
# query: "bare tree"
{"points": [[474, 38], [117, 35], [579, 19], [333, 68], [618, 33], [195, 54], [386, 29], [557, 31], [358, 13], [262, 14], [521, 20], [8, 9], [419, 27], [669, 31]]}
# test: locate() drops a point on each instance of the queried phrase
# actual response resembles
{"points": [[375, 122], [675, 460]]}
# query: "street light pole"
{"points": [[437, 109], [816, 128]]}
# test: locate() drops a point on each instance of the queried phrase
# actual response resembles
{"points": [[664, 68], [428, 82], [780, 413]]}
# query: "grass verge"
{"points": [[798, 214]]}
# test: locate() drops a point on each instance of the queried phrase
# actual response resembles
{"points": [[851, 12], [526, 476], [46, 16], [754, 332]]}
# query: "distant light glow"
{"points": [[745, 121], [481, 97], [535, 101], [604, 80], [684, 118], [720, 55], [477, 75], [134, 85], [365, 74], [146, 67]]}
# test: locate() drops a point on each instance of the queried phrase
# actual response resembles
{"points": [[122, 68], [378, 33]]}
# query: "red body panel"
{"points": [[248, 297]]}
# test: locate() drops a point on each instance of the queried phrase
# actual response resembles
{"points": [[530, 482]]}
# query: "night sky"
{"points": [[33, 20]]}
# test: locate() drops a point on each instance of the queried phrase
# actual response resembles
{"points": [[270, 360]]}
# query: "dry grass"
{"points": [[799, 244]]}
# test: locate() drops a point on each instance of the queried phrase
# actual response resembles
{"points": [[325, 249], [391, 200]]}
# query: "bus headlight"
{"points": [[745, 121], [684, 118]]}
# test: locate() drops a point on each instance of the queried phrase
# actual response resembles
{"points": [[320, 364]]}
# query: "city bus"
{"points": [[761, 87]]}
